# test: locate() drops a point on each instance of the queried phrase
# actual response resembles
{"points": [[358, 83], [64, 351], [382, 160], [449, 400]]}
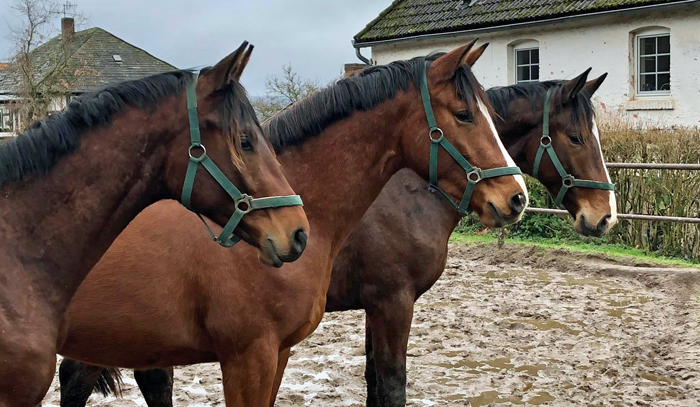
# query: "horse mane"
{"points": [[308, 117], [37, 150], [501, 97]]}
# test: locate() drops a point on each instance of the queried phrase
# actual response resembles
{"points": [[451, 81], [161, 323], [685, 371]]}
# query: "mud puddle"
{"points": [[515, 326]]}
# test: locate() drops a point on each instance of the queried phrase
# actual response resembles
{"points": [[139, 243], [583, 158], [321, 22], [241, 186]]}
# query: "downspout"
{"points": [[359, 55]]}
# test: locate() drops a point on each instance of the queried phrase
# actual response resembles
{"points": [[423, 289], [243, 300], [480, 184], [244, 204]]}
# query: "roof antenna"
{"points": [[69, 9]]}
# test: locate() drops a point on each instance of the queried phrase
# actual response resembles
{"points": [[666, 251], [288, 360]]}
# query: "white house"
{"points": [[650, 48], [88, 60]]}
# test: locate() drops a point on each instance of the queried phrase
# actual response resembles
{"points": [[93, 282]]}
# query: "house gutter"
{"points": [[632, 10], [358, 52]]}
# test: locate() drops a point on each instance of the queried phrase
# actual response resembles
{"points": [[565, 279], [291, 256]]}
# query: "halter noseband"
{"points": [[567, 180], [244, 203], [474, 174]]}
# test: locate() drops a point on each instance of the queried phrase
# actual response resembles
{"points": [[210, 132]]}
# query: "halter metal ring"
{"points": [[437, 130], [546, 141], [201, 157], [475, 171], [568, 181], [247, 201]]}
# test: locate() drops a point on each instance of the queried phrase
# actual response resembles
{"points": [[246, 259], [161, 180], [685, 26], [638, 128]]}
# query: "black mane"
{"points": [[375, 84], [39, 148], [535, 92]]}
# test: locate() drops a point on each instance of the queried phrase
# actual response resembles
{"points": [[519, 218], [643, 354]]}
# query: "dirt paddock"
{"points": [[512, 326]]}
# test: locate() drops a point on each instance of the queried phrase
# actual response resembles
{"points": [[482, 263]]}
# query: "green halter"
{"points": [[244, 203], [567, 180], [474, 174]]}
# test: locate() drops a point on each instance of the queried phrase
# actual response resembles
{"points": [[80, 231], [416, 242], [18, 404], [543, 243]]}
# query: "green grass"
{"points": [[611, 250]]}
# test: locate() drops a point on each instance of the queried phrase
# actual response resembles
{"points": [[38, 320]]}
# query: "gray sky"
{"points": [[313, 35]]}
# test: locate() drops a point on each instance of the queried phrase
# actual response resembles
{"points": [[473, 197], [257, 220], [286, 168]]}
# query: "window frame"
{"points": [[638, 63], [8, 111], [530, 65]]}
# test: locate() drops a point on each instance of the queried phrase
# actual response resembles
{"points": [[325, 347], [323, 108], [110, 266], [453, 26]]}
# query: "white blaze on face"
{"points": [[611, 200], [508, 158]]}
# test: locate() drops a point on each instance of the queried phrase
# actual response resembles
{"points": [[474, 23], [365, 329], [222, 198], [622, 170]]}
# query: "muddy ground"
{"points": [[511, 326]]}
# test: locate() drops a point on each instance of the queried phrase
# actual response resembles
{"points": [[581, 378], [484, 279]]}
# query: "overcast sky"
{"points": [[313, 35]]}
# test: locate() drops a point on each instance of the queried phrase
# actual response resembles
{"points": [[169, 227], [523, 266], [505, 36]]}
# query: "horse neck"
{"points": [[515, 130], [340, 172], [66, 220]]}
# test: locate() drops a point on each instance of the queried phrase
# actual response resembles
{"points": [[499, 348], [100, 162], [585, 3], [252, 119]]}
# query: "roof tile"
{"points": [[93, 50], [405, 18]]}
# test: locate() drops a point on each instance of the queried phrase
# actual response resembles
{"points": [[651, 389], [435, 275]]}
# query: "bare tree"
{"points": [[290, 87], [281, 91], [37, 78]]}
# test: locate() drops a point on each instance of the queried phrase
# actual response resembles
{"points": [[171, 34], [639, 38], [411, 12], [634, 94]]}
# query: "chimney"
{"points": [[353, 69], [67, 29]]}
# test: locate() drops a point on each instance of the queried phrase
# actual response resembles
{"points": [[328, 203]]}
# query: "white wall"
{"points": [[568, 48], [54, 105]]}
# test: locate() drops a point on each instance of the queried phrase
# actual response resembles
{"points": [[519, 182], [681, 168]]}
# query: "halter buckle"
{"points": [[546, 141], [568, 181], [436, 130], [477, 172], [200, 157], [244, 204]]}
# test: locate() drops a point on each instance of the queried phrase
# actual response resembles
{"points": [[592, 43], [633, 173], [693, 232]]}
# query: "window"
{"points": [[654, 64], [7, 123], [527, 65]]}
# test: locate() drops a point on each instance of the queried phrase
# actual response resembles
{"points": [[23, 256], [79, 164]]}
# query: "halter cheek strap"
{"points": [[474, 174], [244, 203], [568, 181]]}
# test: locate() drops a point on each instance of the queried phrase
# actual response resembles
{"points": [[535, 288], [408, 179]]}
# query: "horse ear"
{"points": [[238, 71], [446, 66], [473, 55], [574, 86], [591, 86], [228, 69]]}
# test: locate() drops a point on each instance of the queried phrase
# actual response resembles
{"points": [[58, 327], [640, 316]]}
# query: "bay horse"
{"points": [[198, 303], [72, 182], [384, 275]]}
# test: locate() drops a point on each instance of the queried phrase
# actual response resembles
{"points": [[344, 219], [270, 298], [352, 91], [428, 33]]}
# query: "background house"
{"points": [[93, 57], [6, 117], [650, 48]]}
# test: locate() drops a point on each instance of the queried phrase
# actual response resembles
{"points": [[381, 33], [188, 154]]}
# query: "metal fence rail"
{"points": [[654, 166], [632, 216], [623, 216]]}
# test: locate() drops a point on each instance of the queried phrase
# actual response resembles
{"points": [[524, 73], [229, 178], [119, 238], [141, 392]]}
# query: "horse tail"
{"points": [[110, 381]]}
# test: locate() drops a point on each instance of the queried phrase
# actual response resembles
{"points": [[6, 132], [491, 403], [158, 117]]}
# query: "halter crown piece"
{"points": [[567, 180], [474, 174], [244, 203]]}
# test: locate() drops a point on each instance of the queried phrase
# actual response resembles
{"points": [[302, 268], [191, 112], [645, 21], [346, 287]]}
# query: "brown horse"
{"points": [[339, 147], [74, 181], [383, 275]]}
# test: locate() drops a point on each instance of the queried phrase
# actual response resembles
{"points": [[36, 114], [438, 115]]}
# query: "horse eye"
{"points": [[246, 144], [576, 139], [465, 117]]}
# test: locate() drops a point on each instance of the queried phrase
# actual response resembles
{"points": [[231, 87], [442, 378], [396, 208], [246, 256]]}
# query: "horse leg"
{"points": [[156, 386], [27, 367], [77, 382], [26, 380], [282, 360], [248, 377], [370, 368], [390, 324]]}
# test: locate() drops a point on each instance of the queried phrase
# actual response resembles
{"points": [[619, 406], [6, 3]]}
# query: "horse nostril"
{"points": [[517, 203], [299, 239], [603, 224]]}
